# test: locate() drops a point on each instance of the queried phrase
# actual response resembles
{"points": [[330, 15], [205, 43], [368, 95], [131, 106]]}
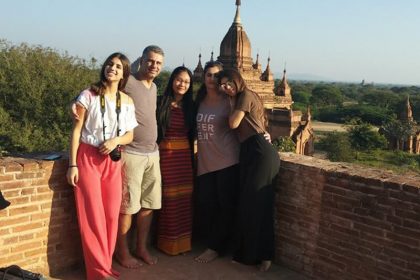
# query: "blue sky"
{"points": [[375, 40]]}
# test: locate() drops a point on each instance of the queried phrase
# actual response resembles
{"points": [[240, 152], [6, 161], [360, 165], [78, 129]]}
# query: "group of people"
{"points": [[131, 154]]}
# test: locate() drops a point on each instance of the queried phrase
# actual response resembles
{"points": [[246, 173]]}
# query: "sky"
{"points": [[335, 40]]}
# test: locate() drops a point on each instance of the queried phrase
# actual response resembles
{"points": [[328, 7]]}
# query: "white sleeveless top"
{"points": [[92, 132]]}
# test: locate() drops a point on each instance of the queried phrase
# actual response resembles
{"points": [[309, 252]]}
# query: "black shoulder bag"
{"points": [[14, 272]]}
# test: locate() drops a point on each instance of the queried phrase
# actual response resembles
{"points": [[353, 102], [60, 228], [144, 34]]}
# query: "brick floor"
{"points": [[184, 267]]}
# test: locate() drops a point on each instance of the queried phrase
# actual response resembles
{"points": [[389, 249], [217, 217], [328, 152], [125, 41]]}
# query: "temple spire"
{"points": [[257, 64], [237, 16], [267, 75], [198, 71], [407, 112]]}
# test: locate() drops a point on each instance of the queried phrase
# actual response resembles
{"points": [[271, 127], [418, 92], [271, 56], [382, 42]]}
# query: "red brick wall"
{"points": [[333, 221], [38, 231], [338, 221]]}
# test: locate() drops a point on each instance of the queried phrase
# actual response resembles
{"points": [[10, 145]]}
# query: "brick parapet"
{"points": [[38, 231], [333, 220], [342, 221]]}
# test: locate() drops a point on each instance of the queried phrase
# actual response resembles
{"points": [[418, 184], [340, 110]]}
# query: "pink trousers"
{"points": [[98, 201]]}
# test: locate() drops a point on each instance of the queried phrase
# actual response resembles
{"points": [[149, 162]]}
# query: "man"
{"points": [[141, 170]]}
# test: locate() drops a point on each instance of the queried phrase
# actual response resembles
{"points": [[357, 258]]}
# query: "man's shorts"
{"points": [[141, 182]]}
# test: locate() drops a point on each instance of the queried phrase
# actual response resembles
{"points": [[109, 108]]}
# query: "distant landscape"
{"points": [[34, 99]]}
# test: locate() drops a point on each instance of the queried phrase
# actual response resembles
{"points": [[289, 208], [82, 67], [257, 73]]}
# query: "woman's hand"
{"points": [[267, 137], [72, 175], [108, 146]]}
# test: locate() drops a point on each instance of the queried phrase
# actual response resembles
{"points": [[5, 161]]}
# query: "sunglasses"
{"points": [[227, 85]]}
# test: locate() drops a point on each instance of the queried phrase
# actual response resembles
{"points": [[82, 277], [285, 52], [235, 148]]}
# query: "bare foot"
{"points": [[128, 261], [207, 256], [147, 258], [264, 266]]}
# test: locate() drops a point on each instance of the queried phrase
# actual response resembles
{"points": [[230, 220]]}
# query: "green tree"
{"points": [[364, 137], [326, 95], [383, 98], [284, 144], [338, 147], [36, 87], [301, 97], [161, 81], [398, 130]]}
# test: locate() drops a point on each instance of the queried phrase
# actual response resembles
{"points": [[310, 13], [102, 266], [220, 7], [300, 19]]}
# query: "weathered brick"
{"points": [[13, 167], [43, 181], [40, 216], [8, 194], [335, 190], [24, 210], [402, 239], [19, 200], [13, 185], [29, 175], [28, 191], [10, 259], [27, 236], [4, 231], [42, 197], [10, 240], [27, 227], [394, 220], [36, 252], [407, 214], [369, 229], [6, 178], [411, 189], [15, 220], [30, 165], [43, 189], [26, 247]]}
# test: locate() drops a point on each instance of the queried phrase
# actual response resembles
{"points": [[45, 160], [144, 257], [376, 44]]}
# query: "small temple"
{"points": [[412, 143]]}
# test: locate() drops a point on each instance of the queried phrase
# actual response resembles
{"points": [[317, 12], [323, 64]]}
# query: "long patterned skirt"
{"points": [[175, 218]]}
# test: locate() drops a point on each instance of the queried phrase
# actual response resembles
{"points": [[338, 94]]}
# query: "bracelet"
{"points": [[70, 166]]}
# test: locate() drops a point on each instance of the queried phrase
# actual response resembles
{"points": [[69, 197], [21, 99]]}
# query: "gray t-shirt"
{"points": [[145, 134], [217, 144]]}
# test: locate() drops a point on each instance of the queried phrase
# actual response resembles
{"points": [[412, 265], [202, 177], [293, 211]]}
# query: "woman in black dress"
{"points": [[259, 164]]}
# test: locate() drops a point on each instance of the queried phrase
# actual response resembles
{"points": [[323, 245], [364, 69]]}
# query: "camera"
{"points": [[115, 154]]}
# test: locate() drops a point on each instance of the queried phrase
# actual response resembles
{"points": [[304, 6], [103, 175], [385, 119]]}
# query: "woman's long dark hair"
{"points": [[202, 91], [164, 107], [99, 87]]}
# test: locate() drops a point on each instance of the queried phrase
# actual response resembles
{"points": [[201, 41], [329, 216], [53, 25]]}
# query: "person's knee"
{"points": [[124, 223]]}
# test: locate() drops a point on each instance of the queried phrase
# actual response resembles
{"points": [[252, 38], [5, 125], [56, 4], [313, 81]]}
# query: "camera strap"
{"points": [[117, 110]]}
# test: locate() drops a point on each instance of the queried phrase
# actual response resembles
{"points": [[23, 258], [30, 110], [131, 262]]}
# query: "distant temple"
{"points": [[235, 53], [412, 144]]}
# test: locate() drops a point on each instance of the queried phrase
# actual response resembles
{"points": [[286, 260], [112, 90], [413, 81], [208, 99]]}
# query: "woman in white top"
{"points": [[106, 121]]}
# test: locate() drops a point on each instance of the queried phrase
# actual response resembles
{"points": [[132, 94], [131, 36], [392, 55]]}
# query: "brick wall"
{"points": [[333, 220], [338, 221], [38, 231]]}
